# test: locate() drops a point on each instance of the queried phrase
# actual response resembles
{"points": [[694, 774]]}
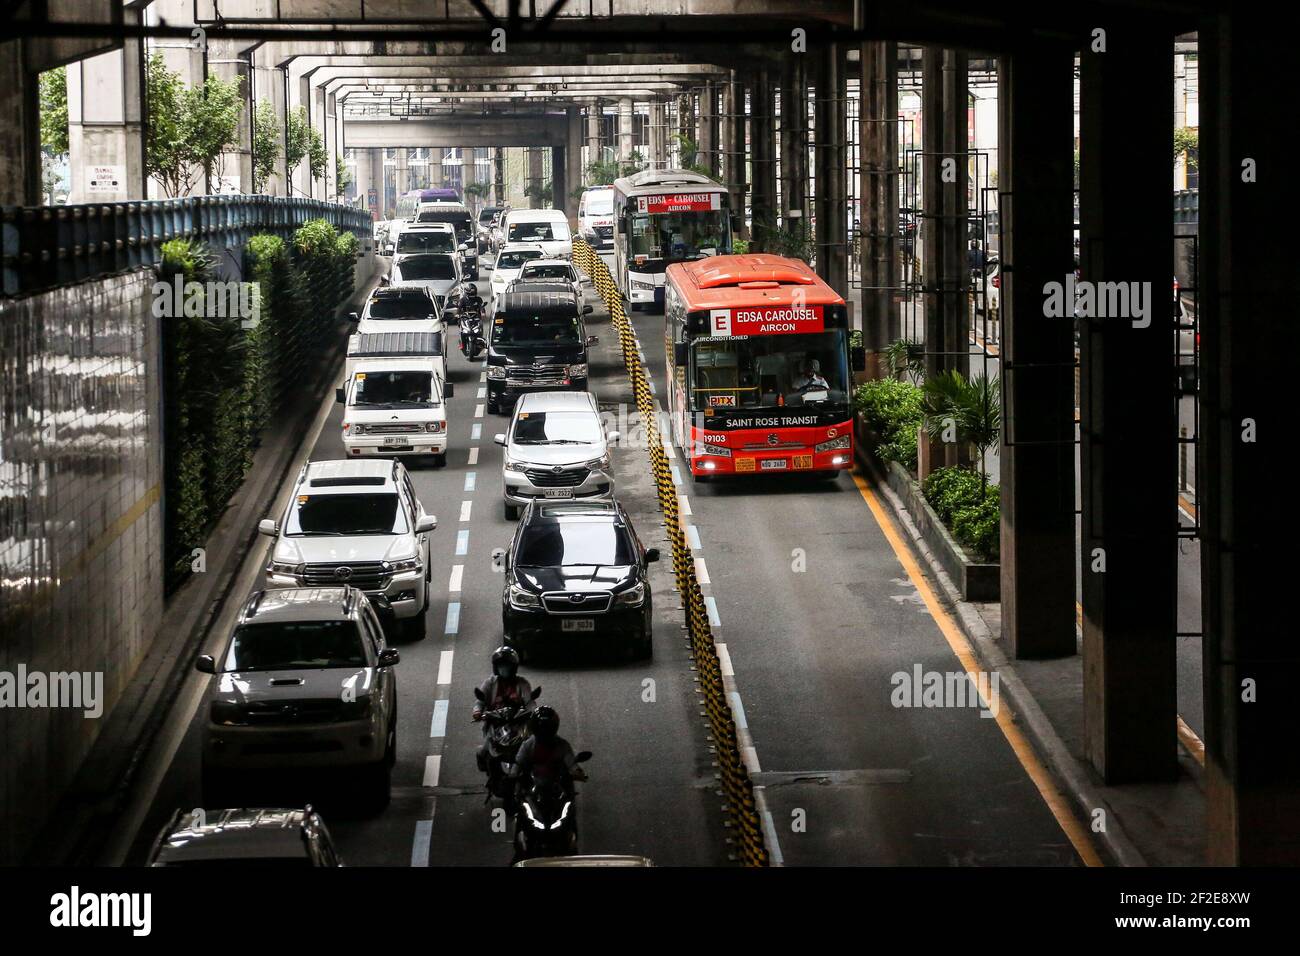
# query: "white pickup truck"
{"points": [[395, 406], [375, 345]]}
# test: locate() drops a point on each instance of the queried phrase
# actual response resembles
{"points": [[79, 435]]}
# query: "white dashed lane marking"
{"points": [[475, 434], [702, 572], [465, 507], [462, 542], [478, 411], [453, 618], [432, 769], [473, 456], [420, 848], [444, 666], [439, 726], [470, 478], [457, 572]]}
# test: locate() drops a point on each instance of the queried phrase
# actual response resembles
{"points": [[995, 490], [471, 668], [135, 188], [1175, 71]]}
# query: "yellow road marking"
{"points": [[1024, 751]]}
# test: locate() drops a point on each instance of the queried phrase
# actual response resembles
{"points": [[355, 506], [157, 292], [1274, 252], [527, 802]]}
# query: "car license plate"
{"points": [[395, 440], [772, 464], [582, 624], [557, 492]]}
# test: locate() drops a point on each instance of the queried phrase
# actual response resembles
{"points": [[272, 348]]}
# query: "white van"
{"points": [[596, 216], [395, 406], [549, 228], [365, 346]]}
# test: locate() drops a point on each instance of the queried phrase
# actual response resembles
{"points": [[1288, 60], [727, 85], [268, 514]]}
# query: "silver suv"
{"points": [[219, 837], [306, 682], [357, 522], [556, 449]]}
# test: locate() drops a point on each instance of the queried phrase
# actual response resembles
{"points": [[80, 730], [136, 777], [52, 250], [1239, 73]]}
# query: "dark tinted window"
{"points": [[546, 270], [426, 267], [575, 541], [295, 645], [525, 329], [516, 258], [390, 389], [418, 307], [426, 240], [346, 514]]}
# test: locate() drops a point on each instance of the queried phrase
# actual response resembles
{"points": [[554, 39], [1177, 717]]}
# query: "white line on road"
{"points": [[439, 725], [737, 708], [457, 572], [475, 434], [482, 376], [473, 456], [669, 450], [693, 535], [482, 392], [420, 848], [685, 506], [702, 572], [453, 618], [462, 542], [465, 507], [712, 605], [478, 411], [444, 666], [677, 478], [432, 769], [469, 480], [724, 660]]}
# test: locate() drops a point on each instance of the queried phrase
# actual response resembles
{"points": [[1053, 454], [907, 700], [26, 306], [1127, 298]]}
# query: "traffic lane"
{"points": [[650, 790], [814, 652]]}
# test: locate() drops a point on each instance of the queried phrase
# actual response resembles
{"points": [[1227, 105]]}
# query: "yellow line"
{"points": [[1047, 789]]}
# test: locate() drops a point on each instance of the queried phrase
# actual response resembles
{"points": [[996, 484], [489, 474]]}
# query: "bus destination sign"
{"points": [[766, 320], [679, 202]]}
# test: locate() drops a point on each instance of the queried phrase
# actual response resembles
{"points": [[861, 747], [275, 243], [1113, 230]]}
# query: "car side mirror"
{"points": [[340, 394], [583, 756], [385, 279], [267, 527], [499, 439], [448, 390], [591, 339], [859, 358], [651, 555], [680, 354], [613, 436], [426, 523], [587, 309], [389, 656], [205, 664], [353, 317]]}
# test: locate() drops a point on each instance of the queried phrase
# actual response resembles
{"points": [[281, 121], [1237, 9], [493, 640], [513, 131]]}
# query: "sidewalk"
{"points": [[1145, 824]]}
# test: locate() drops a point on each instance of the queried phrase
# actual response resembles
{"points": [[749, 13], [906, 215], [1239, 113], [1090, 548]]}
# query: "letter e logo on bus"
{"points": [[719, 321]]}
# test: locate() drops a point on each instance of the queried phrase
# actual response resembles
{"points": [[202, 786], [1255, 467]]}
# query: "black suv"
{"points": [[538, 342], [576, 574]]}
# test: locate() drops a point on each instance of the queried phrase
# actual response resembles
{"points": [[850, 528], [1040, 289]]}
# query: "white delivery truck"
{"points": [[395, 406]]}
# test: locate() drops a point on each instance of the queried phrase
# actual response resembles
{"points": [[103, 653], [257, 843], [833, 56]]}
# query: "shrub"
{"points": [[979, 525], [892, 409], [951, 488]]}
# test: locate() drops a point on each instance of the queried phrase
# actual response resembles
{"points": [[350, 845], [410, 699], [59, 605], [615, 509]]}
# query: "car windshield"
{"points": [[536, 330], [424, 267], [548, 270], [345, 514], [537, 231], [678, 236], [769, 370], [600, 204], [575, 541], [394, 390], [295, 645], [459, 221], [516, 259], [426, 240], [420, 308], [556, 428]]}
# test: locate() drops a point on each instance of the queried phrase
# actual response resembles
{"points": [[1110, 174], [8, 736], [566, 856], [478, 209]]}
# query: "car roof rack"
{"points": [[350, 480]]}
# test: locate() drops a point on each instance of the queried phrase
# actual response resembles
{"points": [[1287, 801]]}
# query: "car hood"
{"points": [[547, 455], [329, 550], [578, 577], [438, 287], [357, 414], [329, 683]]}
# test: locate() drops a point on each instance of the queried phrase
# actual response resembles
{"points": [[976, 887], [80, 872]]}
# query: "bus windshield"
{"points": [[766, 371], [679, 236]]}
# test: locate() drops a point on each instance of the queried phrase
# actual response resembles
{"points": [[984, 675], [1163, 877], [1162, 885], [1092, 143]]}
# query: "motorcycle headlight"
{"points": [[633, 596], [835, 444], [496, 372], [523, 599], [436, 427], [285, 567], [563, 813], [577, 371], [405, 565]]}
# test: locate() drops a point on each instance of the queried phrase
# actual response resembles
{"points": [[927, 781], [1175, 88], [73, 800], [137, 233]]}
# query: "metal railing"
{"points": [[49, 246]]}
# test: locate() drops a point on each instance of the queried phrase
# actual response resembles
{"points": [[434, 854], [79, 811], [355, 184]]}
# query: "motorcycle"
{"points": [[471, 327], [507, 730], [545, 823]]}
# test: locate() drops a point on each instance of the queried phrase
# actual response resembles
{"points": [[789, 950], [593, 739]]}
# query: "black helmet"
{"points": [[546, 722], [505, 662]]}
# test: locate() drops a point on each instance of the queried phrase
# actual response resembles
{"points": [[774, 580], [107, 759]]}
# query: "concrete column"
{"points": [[955, 276], [762, 153], [402, 173], [1252, 767], [105, 129], [20, 165], [593, 136], [708, 122], [658, 137], [625, 130], [878, 169], [794, 140], [832, 196], [686, 117], [559, 182], [572, 164], [1127, 408], [733, 141], [1036, 177], [498, 176], [534, 177]]}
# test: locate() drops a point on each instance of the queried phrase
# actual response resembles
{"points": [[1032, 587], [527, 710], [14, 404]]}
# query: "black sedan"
{"points": [[576, 576]]}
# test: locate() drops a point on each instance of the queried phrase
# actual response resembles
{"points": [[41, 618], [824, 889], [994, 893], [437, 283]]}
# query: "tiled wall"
{"points": [[80, 519]]}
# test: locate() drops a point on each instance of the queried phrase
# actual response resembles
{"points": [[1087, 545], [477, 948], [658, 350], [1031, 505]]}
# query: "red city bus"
{"points": [[758, 366]]}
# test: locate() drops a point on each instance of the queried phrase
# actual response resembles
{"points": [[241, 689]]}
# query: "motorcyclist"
{"points": [[505, 687], [546, 756]]}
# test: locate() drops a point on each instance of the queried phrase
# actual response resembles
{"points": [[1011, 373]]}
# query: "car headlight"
{"points": [[496, 372], [227, 713], [521, 598], [715, 450], [577, 371], [835, 444], [633, 596], [349, 428], [510, 464], [601, 462], [285, 567], [405, 565], [436, 427]]}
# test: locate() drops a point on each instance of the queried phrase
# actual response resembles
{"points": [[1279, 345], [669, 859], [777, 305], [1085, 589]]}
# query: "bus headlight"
{"points": [[835, 444]]}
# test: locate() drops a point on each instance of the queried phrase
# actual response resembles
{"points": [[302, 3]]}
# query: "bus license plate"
{"points": [[582, 624], [772, 464], [557, 492]]}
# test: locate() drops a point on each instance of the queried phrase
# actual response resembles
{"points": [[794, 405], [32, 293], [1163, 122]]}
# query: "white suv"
{"points": [[356, 522], [306, 682], [556, 449]]}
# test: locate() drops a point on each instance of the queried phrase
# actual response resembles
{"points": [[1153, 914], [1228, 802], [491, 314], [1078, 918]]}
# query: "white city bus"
{"points": [[662, 216]]}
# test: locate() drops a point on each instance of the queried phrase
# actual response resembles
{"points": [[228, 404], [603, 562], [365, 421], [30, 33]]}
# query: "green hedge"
{"points": [[892, 409], [970, 510]]}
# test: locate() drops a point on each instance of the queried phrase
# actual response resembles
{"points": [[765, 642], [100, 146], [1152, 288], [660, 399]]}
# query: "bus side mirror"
{"points": [[680, 354], [622, 226], [859, 358]]}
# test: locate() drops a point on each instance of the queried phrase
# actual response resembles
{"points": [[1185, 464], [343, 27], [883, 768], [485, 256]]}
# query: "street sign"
{"points": [[105, 179]]}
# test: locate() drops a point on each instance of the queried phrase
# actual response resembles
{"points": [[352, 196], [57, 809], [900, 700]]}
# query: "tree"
{"points": [[342, 176], [1186, 141], [189, 126], [317, 158], [266, 144], [543, 193], [478, 192], [297, 139], [54, 110], [604, 172], [689, 152], [972, 408]]}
